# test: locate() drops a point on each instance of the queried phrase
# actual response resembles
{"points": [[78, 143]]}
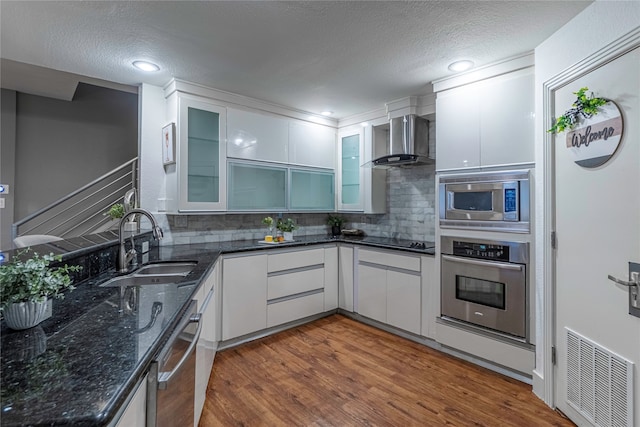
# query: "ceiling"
{"points": [[348, 57]]}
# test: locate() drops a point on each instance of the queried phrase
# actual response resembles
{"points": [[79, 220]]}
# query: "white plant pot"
{"points": [[288, 236], [25, 315]]}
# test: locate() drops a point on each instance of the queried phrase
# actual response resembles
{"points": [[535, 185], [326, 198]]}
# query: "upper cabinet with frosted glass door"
{"points": [[201, 160], [350, 174], [360, 188]]}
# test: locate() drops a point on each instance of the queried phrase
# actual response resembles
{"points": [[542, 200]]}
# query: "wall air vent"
{"points": [[599, 383]]}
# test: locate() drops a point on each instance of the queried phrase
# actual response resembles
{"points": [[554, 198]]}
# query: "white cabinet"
{"points": [[350, 172], [255, 136], [312, 144], [277, 286], [135, 413], [458, 129], [430, 296], [330, 278], [257, 186], [389, 288], [360, 188], [295, 285], [244, 295], [488, 123], [198, 182], [345, 277], [206, 299], [311, 190]]}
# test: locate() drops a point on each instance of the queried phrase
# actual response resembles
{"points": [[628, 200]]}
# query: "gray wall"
{"points": [[7, 162], [410, 215], [61, 145]]}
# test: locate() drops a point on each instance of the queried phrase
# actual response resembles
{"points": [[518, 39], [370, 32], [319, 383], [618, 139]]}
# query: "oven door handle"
{"points": [[478, 263]]}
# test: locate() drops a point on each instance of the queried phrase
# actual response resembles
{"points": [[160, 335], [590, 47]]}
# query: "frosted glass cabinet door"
{"points": [[350, 189], [254, 136], [312, 191], [257, 187], [202, 156]]}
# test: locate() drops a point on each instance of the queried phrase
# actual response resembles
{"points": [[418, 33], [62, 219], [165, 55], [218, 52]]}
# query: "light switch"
{"points": [[1, 202]]}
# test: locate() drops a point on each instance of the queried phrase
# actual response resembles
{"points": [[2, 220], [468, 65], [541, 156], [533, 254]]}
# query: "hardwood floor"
{"points": [[339, 372]]}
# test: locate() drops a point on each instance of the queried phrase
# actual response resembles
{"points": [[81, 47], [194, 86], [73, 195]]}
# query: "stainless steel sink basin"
{"points": [[167, 268], [135, 280]]}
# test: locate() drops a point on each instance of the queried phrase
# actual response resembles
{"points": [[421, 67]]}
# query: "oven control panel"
{"points": [[495, 252]]}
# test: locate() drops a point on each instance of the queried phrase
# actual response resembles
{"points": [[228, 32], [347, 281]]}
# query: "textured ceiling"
{"points": [[346, 56]]}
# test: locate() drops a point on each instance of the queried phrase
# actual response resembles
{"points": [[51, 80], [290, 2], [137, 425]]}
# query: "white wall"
{"points": [[600, 24]]}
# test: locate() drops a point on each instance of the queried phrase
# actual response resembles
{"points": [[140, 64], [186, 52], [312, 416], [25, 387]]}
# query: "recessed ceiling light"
{"points": [[145, 66], [461, 65], [327, 113]]}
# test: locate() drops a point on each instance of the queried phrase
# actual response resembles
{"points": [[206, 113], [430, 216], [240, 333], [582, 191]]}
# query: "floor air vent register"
{"points": [[599, 383]]}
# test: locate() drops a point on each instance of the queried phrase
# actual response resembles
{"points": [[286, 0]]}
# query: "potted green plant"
{"points": [[116, 211], [287, 226], [27, 283], [335, 222]]}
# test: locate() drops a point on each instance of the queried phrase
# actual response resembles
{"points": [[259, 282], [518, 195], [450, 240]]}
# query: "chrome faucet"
{"points": [[125, 257]]}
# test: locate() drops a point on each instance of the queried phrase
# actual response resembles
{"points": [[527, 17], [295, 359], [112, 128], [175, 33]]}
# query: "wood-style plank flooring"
{"points": [[339, 372]]}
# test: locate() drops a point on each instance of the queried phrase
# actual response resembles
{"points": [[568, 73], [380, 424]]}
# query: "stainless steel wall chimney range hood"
{"points": [[408, 143]]}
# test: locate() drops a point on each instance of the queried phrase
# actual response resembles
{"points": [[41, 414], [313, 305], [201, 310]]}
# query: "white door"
{"points": [[597, 215]]}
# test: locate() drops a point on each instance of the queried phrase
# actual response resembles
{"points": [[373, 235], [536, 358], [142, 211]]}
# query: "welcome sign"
{"points": [[594, 140]]}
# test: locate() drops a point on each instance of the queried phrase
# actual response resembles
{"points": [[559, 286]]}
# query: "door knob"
{"points": [[634, 276]]}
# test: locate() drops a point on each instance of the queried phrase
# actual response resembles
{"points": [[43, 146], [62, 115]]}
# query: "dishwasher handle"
{"points": [[165, 377]]}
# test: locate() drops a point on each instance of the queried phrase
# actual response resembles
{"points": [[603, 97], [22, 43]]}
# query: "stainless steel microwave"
{"points": [[485, 200]]}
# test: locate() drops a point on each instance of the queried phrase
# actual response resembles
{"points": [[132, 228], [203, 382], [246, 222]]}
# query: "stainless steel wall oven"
{"points": [[484, 284]]}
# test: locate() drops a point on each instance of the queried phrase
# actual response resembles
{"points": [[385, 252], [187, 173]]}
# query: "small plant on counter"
{"points": [[584, 106], [116, 211], [33, 279], [27, 283], [336, 223], [268, 221], [287, 225]]}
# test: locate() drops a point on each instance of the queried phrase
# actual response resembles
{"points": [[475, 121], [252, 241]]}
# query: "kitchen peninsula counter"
{"points": [[78, 367]]}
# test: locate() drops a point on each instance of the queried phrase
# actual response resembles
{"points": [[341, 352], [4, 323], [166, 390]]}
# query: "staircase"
{"points": [[82, 211]]}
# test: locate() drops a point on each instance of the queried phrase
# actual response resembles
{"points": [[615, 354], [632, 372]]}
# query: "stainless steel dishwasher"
{"points": [[171, 380]]}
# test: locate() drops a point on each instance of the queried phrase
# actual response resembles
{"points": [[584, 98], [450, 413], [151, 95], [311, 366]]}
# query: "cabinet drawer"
{"points": [[298, 259], [294, 309], [297, 282], [390, 260]]}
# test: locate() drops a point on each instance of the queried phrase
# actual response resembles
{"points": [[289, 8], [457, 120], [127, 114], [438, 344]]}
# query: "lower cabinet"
{"points": [[206, 298], [345, 277], [135, 414], [265, 290], [244, 295], [388, 289]]}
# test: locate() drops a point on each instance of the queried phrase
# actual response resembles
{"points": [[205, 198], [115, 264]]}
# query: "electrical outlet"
{"points": [[1, 202], [145, 247]]}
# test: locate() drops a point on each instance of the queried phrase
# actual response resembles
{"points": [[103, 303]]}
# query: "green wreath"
{"points": [[585, 107]]}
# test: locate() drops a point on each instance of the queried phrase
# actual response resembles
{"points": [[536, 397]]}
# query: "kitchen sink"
{"points": [[166, 268], [153, 274], [135, 280]]}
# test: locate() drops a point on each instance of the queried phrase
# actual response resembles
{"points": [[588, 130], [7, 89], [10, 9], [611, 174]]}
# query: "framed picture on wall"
{"points": [[169, 144]]}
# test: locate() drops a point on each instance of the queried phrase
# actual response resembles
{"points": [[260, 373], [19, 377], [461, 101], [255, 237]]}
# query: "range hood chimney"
{"points": [[408, 143]]}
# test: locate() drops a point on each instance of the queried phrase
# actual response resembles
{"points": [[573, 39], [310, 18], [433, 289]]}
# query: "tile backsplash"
{"points": [[410, 215]]}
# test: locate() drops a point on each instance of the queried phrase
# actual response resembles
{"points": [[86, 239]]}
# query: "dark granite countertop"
{"points": [[78, 367]]}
